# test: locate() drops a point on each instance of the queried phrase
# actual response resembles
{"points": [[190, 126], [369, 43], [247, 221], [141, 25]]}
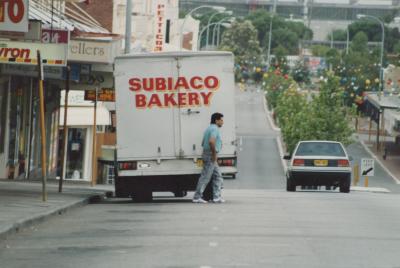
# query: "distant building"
{"points": [[317, 14], [155, 23]]}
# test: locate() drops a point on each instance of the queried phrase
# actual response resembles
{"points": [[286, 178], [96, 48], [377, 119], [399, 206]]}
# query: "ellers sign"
{"points": [[14, 15]]}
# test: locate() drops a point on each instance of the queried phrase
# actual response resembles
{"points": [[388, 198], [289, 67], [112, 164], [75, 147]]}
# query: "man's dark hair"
{"points": [[215, 117]]}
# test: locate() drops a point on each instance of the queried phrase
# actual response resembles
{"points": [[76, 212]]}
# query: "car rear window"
{"points": [[320, 148]]}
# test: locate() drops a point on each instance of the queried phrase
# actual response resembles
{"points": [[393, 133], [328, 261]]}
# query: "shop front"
{"points": [[20, 143], [80, 127]]}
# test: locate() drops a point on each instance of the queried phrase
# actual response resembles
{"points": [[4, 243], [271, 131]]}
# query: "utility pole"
{"points": [[42, 128], [128, 26]]}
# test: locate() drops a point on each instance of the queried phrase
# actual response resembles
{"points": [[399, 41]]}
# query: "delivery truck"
{"points": [[164, 102]]}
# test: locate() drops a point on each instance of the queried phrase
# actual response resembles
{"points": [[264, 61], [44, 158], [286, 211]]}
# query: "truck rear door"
{"points": [[145, 130], [211, 82]]}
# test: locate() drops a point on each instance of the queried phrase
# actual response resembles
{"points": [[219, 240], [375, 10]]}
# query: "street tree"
{"points": [[241, 40], [301, 73], [325, 117]]}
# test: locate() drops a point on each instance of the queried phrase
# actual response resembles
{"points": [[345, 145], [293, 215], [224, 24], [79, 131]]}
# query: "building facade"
{"points": [[64, 35]]}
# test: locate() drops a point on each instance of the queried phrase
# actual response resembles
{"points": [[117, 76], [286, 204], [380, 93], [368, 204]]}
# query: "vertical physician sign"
{"points": [[14, 15]]}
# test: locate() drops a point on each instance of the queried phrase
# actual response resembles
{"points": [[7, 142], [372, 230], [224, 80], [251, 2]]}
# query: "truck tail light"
{"points": [[298, 162], [227, 162], [127, 165], [343, 163]]}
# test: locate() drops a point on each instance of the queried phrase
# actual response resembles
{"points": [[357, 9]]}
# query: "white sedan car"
{"points": [[319, 163]]}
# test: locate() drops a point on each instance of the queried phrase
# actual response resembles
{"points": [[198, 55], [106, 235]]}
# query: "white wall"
{"points": [[144, 22]]}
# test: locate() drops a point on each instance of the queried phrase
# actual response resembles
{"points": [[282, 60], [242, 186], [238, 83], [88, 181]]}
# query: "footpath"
{"points": [[21, 203]]}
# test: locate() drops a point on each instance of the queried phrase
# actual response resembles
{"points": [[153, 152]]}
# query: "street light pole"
{"points": [[201, 33], [128, 26], [208, 28], [347, 41], [216, 30], [218, 8], [270, 36], [360, 16]]}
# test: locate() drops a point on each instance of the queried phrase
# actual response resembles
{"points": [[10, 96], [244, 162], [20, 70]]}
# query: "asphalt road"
{"points": [[259, 164], [260, 225]]}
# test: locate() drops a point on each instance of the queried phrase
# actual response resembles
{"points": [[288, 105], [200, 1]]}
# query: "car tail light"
{"points": [[131, 165], [298, 162], [229, 162], [343, 163]]}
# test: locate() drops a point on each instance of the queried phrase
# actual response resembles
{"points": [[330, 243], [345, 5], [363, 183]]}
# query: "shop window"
{"points": [[3, 115], [75, 153]]}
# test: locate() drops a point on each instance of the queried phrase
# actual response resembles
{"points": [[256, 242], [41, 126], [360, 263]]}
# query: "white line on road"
{"points": [[213, 244]]}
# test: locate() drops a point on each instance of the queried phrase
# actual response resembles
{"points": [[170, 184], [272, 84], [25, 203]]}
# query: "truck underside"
{"points": [[140, 188]]}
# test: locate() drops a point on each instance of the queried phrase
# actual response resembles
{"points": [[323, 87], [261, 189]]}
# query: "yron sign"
{"points": [[14, 15]]}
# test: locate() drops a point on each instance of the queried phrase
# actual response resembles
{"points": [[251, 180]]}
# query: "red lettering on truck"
{"points": [[181, 99], [169, 83]]}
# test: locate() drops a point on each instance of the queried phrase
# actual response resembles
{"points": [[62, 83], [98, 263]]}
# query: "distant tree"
{"points": [[360, 43], [319, 50], [284, 33], [279, 61], [338, 35], [241, 39]]}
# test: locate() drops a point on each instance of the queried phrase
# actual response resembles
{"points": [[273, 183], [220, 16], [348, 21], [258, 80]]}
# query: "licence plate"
{"points": [[320, 163], [199, 162]]}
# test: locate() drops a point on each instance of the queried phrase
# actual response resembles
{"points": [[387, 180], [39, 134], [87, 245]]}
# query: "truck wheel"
{"points": [[345, 185], [290, 186], [233, 176], [180, 193], [142, 196]]}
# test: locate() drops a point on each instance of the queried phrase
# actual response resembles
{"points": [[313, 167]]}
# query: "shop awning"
{"points": [[83, 116]]}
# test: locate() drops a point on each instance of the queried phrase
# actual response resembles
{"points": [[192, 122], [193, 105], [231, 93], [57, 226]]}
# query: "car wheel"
{"points": [[290, 186], [345, 185]]}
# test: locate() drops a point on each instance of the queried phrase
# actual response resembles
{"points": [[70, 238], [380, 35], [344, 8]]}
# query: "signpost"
{"points": [[367, 169]]}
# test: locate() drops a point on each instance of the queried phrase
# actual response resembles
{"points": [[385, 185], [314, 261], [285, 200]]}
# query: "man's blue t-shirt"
{"points": [[212, 131]]}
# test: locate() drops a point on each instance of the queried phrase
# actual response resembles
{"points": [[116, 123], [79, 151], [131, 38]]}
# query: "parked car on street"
{"points": [[319, 163]]}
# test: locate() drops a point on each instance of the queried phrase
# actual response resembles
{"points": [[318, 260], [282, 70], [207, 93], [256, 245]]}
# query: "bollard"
{"points": [[366, 181], [356, 175]]}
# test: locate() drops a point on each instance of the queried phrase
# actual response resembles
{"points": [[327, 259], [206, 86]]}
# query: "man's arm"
{"points": [[212, 142]]}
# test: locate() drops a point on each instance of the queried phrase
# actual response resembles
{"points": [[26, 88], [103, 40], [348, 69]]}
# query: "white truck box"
{"points": [[164, 102]]}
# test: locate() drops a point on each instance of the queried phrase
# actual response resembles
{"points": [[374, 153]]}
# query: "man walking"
{"points": [[212, 145]]}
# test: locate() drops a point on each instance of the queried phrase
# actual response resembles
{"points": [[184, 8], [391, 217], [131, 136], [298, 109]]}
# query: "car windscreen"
{"points": [[320, 148]]}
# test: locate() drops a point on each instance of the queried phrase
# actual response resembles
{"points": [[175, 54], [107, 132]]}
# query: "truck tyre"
{"points": [[180, 193], [345, 185], [290, 186]]}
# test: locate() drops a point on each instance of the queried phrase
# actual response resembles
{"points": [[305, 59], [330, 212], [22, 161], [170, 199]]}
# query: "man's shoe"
{"points": [[219, 200], [199, 201]]}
